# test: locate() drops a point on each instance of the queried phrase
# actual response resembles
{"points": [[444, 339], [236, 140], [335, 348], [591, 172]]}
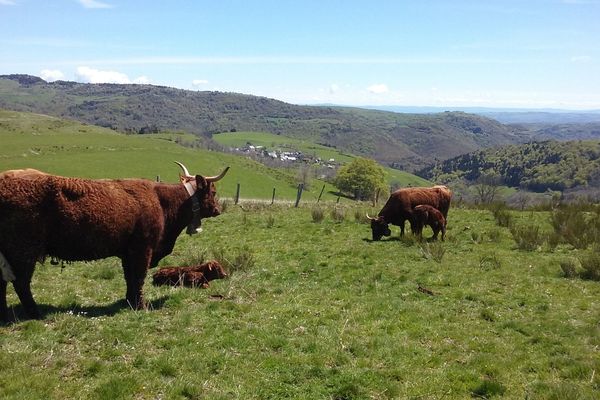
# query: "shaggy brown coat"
{"points": [[79, 219], [424, 214], [195, 276], [399, 208]]}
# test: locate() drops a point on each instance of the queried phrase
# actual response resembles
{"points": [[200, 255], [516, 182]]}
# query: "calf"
{"points": [[195, 276], [424, 214]]}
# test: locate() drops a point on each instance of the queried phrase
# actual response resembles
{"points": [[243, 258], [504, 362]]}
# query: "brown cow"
{"points": [[399, 208], [76, 219], [195, 276], [424, 214]]}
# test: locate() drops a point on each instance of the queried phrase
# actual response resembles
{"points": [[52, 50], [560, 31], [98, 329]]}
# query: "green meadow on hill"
{"points": [[507, 307]]}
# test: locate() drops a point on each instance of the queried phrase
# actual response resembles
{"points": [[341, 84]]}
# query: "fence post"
{"points": [[273, 197], [237, 194], [158, 178], [321, 194], [299, 195]]}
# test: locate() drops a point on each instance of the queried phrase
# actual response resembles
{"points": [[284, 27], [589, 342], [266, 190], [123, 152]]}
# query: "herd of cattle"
{"points": [[138, 220]]}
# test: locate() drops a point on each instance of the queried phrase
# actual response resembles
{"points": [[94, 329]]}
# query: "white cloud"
{"points": [[51, 75], [91, 75], [333, 88], [7, 3], [199, 82], [94, 4], [378, 88]]}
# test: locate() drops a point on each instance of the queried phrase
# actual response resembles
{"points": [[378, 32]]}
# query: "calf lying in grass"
{"points": [[194, 276]]}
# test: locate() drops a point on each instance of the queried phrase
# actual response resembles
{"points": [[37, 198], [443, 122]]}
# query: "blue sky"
{"points": [[530, 53]]}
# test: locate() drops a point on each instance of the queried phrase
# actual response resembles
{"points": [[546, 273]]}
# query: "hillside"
{"points": [[70, 148], [404, 141], [536, 166]]}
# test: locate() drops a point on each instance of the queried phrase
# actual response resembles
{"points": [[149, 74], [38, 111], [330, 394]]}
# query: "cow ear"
{"points": [[201, 182]]}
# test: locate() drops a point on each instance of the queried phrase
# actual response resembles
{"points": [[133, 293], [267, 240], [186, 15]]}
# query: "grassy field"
{"points": [[315, 310], [72, 149]]}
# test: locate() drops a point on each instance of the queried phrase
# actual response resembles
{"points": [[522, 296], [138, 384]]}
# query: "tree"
{"points": [[361, 178], [487, 188]]}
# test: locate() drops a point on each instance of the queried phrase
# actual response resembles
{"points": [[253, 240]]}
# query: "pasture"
{"points": [[315, 310]]}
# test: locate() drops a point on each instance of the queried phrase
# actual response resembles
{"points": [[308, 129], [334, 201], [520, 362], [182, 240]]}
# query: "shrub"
{"points": [[270, 221], [572, 226], [317, 214], [569, 268], [242, 260], [434, 251], [502, 216], [338, 214], [591, 265], [489, 261], [494, 235], [527, 237]]}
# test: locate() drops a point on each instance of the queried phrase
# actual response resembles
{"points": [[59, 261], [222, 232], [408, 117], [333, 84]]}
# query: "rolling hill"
{"points": [[70, 148], [403, 141]]}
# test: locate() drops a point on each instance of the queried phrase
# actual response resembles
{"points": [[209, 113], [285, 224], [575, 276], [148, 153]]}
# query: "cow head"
{"points": [[422, 212], [204, 196], [379, 228]]}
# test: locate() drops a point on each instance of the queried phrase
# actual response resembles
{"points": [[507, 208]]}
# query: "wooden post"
{"points": [[273, 197], [237, 194], [157, 178], [299, 195], [321, 194]]}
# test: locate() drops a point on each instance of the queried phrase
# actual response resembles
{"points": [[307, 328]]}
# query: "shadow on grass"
{"points": [[107, 310]]}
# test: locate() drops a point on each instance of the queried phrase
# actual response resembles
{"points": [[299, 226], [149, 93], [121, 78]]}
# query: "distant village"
{"points": [[288, 157]]}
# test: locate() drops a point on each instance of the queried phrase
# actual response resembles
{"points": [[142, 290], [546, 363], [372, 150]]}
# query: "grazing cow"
{"points": [[76, 219], [399, 208], [424, 214], [195, 276]]}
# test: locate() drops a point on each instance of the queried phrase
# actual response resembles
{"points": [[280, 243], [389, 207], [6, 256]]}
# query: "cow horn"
{"points": [[185, 170], [218, 177], [369, 217]]}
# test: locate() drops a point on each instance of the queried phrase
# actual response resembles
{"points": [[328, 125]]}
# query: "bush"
{"points": [[317, 214], [242, 260], [591, 265], [270, 221], [527, 237], [490, 261], [571, 224], [338, 214], [433, 251], [569, 268], [502, 216]]}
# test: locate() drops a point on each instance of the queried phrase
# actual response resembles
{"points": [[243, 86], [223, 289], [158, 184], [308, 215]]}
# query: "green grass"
{"points": [[321, 312], [312, 309]]}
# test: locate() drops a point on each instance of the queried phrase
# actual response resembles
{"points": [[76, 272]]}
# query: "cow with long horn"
{"points": [[76, 219], [399, 208]]}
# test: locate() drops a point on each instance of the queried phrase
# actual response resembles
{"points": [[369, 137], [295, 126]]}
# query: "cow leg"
{"points": [[135, 267], [22, 285], [3, 306]]}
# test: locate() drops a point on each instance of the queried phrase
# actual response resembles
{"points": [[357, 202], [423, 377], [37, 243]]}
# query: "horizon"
{"points": [[536, 55]]}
